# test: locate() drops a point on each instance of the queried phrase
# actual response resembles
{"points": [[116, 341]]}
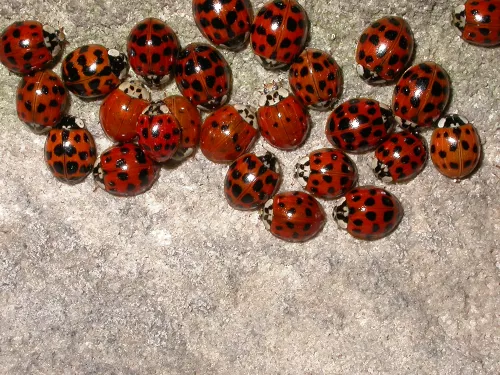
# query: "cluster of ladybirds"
{"points": [[148, 133]]}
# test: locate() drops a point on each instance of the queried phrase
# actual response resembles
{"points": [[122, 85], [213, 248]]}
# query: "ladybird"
{"points": [[203, 76], [70, 151], [152, 48], [400, 157], [326, 173], [120, 110], [125, 170], [384, 50], [41, 100], [455, 147], [368, 212], [479, 22], [279, 33], [316, 79], [189, 120], [93, 71], [421, 95], [251, 180], [293, 216], [28, 46], [359, 125], [225, 23], [228, 133], [283, 121], [159, 132]]}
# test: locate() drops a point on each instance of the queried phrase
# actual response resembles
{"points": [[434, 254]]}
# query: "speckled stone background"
{"points": [[176, 282]]}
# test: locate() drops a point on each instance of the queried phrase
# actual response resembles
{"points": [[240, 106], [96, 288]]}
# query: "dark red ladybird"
{"points": [[316, 79], [400, 157], [279, 33], [359, 125], [152, 48], [368, 212], [251, 180], [293, 216], [479, 22], [125, 170], [203, 76], [70, 151], [326, 173], [225, 23], [384, 50], [41, 100], [28, 46]]}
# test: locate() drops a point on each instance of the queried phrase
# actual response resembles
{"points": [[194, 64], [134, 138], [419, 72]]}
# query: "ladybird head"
{"points": [[266, 214], [214, 103], [271, 162], [341, 213], [270, 64], [248, 114], [303, 171], [381, 170], [387, 117], [452, 121], [272, 94], [135, 89], [53, 39], [71, 122], [119, 63], [459, 17], [370, 76], [183, 153], [153, 80], [98, 174], [156, 108], [238, 43]]}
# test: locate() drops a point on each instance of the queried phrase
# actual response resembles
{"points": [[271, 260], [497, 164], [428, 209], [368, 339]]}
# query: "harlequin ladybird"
{"points": [[159, 132], [293, 216], [29, 46], [125, 170], [93, 71], [152, 49], [479, 22], [203, 76], [226, 23], [251, 180], [41, 100], [228, 133], [326, 173], [421, 95], [400, 157], [384, 49], [359, 125], [316, 79], [455, 147], [283, 121], [70, 151], [189, 120], [279, 33], [120, 110], [368, 212]]}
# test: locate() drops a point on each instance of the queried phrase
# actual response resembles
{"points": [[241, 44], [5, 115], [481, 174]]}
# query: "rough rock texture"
{"points": [[176, 282]]}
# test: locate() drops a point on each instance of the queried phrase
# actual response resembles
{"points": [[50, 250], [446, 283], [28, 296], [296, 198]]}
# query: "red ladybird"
{"points": [[400, 157], [28, 46], [293, 216], [359, 125], [479, 22], [228, 133], [125, 170], [203, 76], [70, 151], [120, 110], [189, 120], [421, 95], [226, 23], [251, 180], [41, 100], [93, 71], [283, 121], [316, 79], [384, 49], [455, 147], [279, 33], [326, 173], [152, 49], [159, 132], [368, 212]]}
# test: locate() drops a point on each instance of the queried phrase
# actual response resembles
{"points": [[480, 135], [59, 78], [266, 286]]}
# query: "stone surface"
{"points": [[176, 282]]}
